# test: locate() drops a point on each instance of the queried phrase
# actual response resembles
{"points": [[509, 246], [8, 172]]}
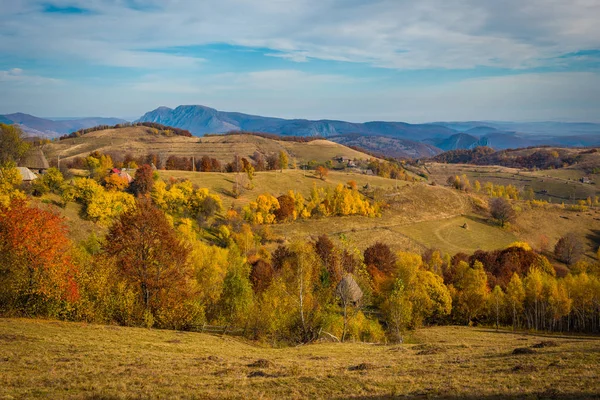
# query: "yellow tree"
{"points": [[473, 291], [533, 284], [283, 160], [497, 303], [515, 296]]}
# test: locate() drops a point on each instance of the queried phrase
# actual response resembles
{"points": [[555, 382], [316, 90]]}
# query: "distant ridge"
{"points": [[35, 126], [201, 120]]}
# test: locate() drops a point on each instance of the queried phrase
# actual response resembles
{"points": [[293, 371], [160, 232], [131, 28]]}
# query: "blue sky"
{"points": [[414, 61]]}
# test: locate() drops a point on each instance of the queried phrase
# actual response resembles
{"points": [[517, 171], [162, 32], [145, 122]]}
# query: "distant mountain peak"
{"points": [[200, 119]]}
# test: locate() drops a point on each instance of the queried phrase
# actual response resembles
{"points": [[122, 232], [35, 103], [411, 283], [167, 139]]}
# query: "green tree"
{"points": [[237, 295]]}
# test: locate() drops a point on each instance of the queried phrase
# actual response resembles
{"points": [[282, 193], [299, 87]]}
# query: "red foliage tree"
{"points": [[148, 254], [286, 208], [34, 258], [143, 181], [261, 275], [381, 257]]}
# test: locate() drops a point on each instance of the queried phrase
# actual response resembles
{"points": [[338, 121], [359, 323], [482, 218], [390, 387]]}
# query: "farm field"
{"points": [[51, 359]]}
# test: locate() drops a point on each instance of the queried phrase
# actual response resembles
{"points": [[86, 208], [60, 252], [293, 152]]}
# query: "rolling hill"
{"points": [[140, 141]]}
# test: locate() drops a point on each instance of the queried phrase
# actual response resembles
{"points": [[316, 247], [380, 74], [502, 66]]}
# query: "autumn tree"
{"points": [[36, 270], [496, 303], [205, 164], [143, 181], [569, 248], [115, 182], [98, 165], [149, 255], [330, 258], [12, 145], [285, 212], [473, 292], [398, 310], [283, 160], [381, 257], [501, 210], [321, 172], [237, 296], [515, 296]]}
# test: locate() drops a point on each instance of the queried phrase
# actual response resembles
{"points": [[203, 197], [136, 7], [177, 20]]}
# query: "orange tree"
{"points": [[37, 275]]}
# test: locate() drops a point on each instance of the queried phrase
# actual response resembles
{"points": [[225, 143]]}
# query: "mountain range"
{"points": [[394, 139], [43, 127]]}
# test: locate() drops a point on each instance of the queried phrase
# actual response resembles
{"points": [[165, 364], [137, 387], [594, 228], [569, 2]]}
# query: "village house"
{"points": [[35, 161]]}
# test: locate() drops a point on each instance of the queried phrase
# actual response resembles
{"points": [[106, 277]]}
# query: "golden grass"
{"points": [[51, 359], [449, 235]]}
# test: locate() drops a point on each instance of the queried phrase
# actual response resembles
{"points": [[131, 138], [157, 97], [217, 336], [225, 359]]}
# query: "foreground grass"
{"points": [[53, 359]]}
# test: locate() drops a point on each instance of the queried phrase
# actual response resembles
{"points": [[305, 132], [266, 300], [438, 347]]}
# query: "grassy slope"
{"points": [[50, 359], [276, 182], [561, 184], [137, 141]]}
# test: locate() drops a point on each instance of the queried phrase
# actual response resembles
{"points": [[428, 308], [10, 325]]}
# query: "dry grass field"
{"points": [[51, 359], [138, 142]]}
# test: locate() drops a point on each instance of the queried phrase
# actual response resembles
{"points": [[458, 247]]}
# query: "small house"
{"points": [[35, 161], [585, 179]]}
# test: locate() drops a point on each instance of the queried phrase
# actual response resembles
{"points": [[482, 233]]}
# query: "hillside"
{"points": [[201, 120], [458, 141], [140, 141], [388, 146], [40, 359], [43, 127]]}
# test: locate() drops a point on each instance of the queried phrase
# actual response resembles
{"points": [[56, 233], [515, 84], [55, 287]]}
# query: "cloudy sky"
{"points": [[356, 60]]}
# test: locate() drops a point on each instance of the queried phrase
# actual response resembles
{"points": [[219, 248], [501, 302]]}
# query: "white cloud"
{"points": [[17, 75], [390, 33]]}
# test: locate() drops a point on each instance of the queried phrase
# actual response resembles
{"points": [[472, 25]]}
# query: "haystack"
{"points": [[26, 174], [348, 290]]}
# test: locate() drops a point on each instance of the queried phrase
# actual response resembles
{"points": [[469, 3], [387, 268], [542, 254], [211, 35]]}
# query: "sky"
{"points": [[356, 60]]}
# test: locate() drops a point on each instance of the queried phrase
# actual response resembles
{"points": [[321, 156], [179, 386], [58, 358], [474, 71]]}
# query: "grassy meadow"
{"points": [[51, 359]]}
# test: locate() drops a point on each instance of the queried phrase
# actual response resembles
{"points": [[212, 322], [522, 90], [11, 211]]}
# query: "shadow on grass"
{"points": [[548, 394], [560, 335]]}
